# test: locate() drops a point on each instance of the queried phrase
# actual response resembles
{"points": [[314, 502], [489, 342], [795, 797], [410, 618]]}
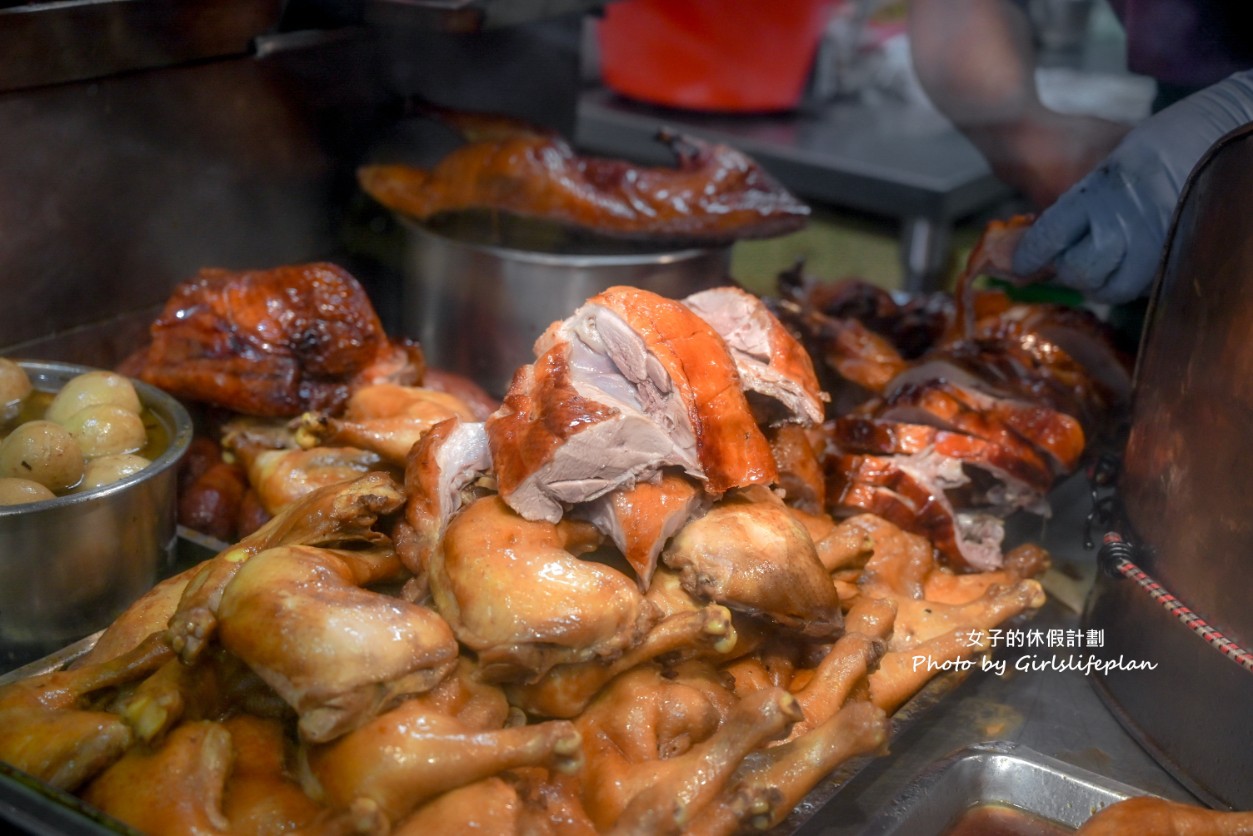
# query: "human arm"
{"points": [[976, 61], [1104, 237]]}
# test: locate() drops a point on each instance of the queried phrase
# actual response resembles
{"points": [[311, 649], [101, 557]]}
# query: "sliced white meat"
{"points": [[911, 492], [439, 476], [558, 439], [773, 366]]}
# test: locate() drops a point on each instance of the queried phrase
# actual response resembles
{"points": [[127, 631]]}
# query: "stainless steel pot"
{"points": [[69, 565], [477, 295]]}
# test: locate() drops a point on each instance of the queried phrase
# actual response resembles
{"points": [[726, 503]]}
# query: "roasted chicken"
{"points": [[272, 343], [641, 596]]}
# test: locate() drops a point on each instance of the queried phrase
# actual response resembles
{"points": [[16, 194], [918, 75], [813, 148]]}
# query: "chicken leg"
{"points": [[335, 652]]}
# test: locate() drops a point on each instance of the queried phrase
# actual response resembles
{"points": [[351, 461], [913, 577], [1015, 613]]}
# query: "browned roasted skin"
{"points": [[864, 434], [751, 554], [261, 795], [174, 788], [567, 689], [645, 514], [279, 478], [49, 728], [487, 806], [384, 418], [732, 450], [930, 635], [333, 515], [1166, 818], [517, 594], [216, 685], [775, 370], [658, 749], [148, 615], [411, 754], [714, 194], [337, 653], [541, 412], [441, 472], [825, 688], [800, 469], [269, 342], [1003, 420], [774, 780]]}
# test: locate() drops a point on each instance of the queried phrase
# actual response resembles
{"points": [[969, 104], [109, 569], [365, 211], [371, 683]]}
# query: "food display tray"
{"points": [[1001, 775], [28, 805]]}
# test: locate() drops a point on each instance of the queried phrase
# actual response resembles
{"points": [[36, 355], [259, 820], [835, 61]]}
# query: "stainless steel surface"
{"points": [[32, 807], [1056, 713], [69, 565], [1209, 751], [996, 774], [477, 308], [891, 158], [72, 40], [1188, 476], [472, 15]]}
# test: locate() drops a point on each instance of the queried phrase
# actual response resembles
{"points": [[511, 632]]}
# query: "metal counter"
{"points": [[1055, 713], [888, 158]]}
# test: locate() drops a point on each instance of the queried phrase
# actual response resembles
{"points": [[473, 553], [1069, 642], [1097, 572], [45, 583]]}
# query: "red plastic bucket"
{"points": [[713, 55]]}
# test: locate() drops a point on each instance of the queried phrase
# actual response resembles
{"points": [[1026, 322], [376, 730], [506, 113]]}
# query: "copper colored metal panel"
{"points": [[1188, 485]]}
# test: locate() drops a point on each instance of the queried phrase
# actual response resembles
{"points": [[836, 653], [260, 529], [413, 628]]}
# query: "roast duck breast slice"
{"points": [[911, 491], [558, 439], [631, 383], [776, 371]]}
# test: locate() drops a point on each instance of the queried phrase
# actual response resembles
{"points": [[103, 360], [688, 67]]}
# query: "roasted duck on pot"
{"points": [[714, 194]]}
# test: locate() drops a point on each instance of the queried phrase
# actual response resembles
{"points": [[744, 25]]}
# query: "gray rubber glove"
{"points": [[1104, 236]]}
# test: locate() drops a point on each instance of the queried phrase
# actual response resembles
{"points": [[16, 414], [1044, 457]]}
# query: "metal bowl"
{"points": [[478, 292], [69, 565]]}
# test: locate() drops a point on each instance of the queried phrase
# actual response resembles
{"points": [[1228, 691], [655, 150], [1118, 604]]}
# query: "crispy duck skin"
{"points": [[1009, 456], [731, 448], [950, 406], [272, 343], [713, 193]]}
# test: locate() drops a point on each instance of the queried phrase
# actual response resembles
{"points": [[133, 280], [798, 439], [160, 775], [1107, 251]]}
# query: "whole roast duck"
{"points": [[714, 193]]}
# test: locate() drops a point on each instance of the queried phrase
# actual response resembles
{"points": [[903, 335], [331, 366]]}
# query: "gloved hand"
{"points": [[1104, 236]]}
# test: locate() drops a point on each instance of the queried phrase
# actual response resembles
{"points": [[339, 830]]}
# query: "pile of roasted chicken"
{"points": [[669, 584]]}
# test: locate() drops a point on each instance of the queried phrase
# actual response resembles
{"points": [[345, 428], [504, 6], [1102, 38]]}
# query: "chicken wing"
{"points": [[386, 419]]}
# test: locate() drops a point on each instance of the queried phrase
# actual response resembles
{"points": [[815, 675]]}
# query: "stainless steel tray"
{"points": [[1000, 774]]}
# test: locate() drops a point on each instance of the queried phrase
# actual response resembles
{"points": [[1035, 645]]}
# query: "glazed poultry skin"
{"points": [[691, 651], [713, 194], [271, 343]]}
